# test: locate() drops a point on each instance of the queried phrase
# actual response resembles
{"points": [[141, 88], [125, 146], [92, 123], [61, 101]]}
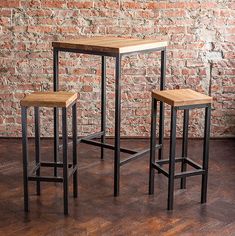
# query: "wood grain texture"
{"points": [[181, 97], [96, 212], [49, 99], [110, 44]]}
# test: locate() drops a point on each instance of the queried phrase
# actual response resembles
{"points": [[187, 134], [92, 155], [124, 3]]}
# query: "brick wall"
{"points": [[201, 55]]}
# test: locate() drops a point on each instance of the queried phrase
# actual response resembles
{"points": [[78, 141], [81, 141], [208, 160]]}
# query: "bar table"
{"points": [[110, 47]]}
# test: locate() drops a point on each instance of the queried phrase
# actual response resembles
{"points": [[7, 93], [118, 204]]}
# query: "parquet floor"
{"points": [[134, 212]]}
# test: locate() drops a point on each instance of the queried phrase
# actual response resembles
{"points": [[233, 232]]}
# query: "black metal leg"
{"points": [[152, 145], [65, 158], [56, 111], [184, 147], [117, 126], [75, 175], [37, 145], [25, 157], [161, 115], [172, 160], [206, 153], [103, 103]]}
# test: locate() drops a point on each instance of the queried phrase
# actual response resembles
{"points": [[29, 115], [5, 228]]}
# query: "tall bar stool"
{"points": [[180, 99], [63, 100]]}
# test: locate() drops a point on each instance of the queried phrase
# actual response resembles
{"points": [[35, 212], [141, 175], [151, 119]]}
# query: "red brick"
{"points": [[85, 4], [40, 29], [53, 4], [87, 88], [9, 3]]}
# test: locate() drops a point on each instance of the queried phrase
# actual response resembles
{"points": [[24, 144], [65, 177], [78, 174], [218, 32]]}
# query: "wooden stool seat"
{"points": [[181, 97], [49, 99]]}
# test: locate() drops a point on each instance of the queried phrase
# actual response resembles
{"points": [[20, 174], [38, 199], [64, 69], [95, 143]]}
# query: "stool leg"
{"points": [[172, 159], [75, 175], [65, 158], [56, 110], [206, 153], [117, 125], [25, 157], [56, 138], [37, 145], [103, 103], [184, 147], [152, 145]]}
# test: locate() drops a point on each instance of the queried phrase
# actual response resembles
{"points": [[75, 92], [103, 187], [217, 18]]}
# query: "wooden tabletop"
{"points": [[111, 45]]}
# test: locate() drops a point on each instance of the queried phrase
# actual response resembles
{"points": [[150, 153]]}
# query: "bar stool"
{"points": [[180, 99], [62, 100]]}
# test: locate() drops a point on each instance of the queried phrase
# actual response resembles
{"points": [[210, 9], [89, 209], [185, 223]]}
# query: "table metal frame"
{"points": [[88, 139]]}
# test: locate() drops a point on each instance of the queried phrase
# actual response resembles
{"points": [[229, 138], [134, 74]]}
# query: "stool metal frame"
{"points": [[185, 160], [134, 154], [69, 169]]}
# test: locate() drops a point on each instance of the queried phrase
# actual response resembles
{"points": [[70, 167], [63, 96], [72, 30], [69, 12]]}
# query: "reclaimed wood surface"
{"points": [[181, 97], [135, 213], [49, 99], [110, 44]]}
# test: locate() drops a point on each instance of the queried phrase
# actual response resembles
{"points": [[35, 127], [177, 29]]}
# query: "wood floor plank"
{"points": [[134, 212]]}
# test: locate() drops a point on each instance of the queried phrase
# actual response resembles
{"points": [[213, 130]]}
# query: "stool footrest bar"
{"points": [[189, 173], [179, 159], [193, 163], [160, 169], [166, 161], [54, 164], [45, 178]]}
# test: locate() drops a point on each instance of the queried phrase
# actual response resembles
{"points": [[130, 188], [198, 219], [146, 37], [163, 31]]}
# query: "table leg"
{"points": [[37, 145], [25, 157], [161, 115], [74, 126], [103, 103], [152, 145], [56, 111], [117, 125]]}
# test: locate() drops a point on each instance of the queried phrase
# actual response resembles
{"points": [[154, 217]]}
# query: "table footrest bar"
{"points": [[137, 155], [160, 169], [33, 171], [189, 173], [166, 161], [45, 178], [53, 164], [193, 163], [88, 137], [72, 170], [91, 136], [108, 146]]}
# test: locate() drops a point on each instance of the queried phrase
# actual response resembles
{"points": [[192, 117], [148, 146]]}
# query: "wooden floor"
{"points": [[134, 212]]}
